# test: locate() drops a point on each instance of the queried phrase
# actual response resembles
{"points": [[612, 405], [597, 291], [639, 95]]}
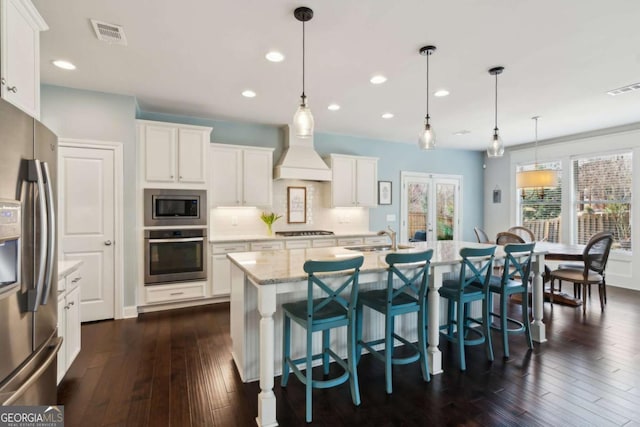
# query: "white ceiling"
{"points": [[195, 57]]}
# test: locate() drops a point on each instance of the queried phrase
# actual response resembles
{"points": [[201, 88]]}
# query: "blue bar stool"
{"points": [[514, 280], [409, 296], [324, 314], [471, 285]]}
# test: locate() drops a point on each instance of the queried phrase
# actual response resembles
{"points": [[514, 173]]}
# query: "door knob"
{"points": [[107, 243]]}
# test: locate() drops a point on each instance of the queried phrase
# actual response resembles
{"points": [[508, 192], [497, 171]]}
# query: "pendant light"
{"points": [[537, 178], [303, 119], [496, 147], [427, 139]]}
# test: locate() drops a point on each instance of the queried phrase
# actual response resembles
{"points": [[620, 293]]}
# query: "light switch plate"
{"points": [[391, 217], [234, 220]]}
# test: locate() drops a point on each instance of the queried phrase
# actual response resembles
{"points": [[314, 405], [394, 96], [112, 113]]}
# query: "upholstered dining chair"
{"points": [[594, 257], [526, 234], [406, 292], [517, 268], [481, 235], [323, 314], [504, 237], [471, 285]]}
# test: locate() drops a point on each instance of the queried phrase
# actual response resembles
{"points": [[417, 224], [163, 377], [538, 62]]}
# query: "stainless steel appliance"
{"points": [[175, 207], [175, 255], [28, 267]]}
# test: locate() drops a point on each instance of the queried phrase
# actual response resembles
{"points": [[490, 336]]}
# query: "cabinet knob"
{"points": [[76, 279], [107, 243], [3, 81], [171, 176], [180, 177], [71, 303], [12, 89], [66, 307]]}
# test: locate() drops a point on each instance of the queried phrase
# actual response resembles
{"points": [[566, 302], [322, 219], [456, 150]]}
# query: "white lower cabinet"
{"points": [[350, 241], [323, 243], [68, 322], [297, 244], [174, 292], [221, 267]]}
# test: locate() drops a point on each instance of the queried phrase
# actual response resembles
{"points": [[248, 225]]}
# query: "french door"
{"points": [[430, 203]]}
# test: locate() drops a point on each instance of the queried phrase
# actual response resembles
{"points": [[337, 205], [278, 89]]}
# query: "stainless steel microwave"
{"points": [[174, 207]]}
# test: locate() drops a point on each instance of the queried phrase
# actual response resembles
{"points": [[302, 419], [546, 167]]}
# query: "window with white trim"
{"points": [[539, 209], [602, 196]]}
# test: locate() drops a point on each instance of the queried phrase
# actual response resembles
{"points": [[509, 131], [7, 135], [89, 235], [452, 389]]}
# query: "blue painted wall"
{"points": [[394, 158]]}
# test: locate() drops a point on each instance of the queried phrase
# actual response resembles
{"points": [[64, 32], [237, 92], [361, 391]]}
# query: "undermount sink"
{"points": [[375, 248]]}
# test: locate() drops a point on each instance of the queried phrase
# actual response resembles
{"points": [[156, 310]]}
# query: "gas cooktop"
{"points": [[304, 233]]}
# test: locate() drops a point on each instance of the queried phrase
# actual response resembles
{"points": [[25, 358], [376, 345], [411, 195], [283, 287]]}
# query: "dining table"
{"points": [[262, 281]]}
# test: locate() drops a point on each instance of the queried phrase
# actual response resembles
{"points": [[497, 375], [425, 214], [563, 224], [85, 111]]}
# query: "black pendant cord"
{"points": [[427, 117], [496, 109], [303, 95]]}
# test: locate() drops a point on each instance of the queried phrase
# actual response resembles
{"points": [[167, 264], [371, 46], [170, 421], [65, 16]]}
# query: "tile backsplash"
{"points": [[246, 221]]}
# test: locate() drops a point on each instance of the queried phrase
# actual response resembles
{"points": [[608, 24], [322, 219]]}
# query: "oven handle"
{"points": [[185, 239]]}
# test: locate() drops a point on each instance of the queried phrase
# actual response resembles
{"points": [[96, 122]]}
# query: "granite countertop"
{"points": [[67, 267], [243, 238], [281, 266]]}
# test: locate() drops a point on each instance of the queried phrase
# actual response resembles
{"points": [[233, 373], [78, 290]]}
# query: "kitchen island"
{"points": [[262, 281]]}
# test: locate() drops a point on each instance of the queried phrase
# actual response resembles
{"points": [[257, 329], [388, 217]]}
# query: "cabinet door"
{"points": [[73, 325], [160, 153], [62, 326], [220, 275], [257, 178], [366, 179], [191, 155], [343, 184], [226, 176], [20, 57]]}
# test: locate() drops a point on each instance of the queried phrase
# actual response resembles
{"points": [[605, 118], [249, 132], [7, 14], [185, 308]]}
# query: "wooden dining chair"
{"points": [[505, 237], [594, 258], [471, 285], [481, 235], [406, 292], [321, 315], [526, 234]]}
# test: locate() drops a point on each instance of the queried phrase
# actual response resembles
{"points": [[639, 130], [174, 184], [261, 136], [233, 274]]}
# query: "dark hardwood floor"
{"points": [[175, 368]]}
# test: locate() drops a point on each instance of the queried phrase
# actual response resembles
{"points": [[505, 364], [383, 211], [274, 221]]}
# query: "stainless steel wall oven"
{"points": [[175, 255], [174, 207]]}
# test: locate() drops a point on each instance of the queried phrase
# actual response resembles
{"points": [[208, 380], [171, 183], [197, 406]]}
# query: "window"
{"points": [[602, 194], [540, 208]]}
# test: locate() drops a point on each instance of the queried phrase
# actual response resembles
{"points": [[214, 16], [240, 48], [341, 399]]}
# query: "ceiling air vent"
{"points": [[624, 89], [110, 33]]}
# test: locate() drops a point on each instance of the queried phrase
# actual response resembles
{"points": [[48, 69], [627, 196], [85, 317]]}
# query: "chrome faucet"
{"points": [[392, 235]]}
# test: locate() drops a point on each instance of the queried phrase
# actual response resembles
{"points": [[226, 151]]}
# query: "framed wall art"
{"points": [[384, 192], [296, 205]]}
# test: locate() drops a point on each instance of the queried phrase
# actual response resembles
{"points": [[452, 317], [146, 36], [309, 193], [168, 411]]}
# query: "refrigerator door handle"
{"points": [[15, 395], [51, 238], [35, 175]]}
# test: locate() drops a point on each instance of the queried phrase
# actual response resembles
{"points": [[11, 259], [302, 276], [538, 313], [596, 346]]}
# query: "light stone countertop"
{"points": [[243, 238], [67, 267], [282, 266]]}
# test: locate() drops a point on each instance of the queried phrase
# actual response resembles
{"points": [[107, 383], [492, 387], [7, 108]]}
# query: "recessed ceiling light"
{"points": [[441, 93], [65, 65], [248, 94], [333, 107], [462, 132], [378, 79], [624, 89], [274, 56], [387, 116]]}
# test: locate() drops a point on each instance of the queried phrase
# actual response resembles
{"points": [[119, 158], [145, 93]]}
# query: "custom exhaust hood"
{"points": [[300, 160]]}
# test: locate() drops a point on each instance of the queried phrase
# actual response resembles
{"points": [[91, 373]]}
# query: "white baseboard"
{"points": [[129, 312], [182, 304]]}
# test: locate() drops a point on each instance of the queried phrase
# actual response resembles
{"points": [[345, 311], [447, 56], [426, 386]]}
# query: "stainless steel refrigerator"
{"points": [[28, 262]]}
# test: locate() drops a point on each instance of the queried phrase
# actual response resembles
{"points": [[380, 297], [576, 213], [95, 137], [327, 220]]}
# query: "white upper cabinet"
{"points": [[240, 175], [354, 181], [173, 153], [20, 28]]}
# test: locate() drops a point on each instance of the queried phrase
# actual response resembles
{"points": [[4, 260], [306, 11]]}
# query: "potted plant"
{"points": [[269, 219]]}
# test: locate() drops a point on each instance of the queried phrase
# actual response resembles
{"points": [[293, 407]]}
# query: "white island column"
{"points": [[433, 332], [266, 397], [538, 329]]}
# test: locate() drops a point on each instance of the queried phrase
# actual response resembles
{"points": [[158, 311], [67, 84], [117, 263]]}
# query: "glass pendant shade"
{"points": [[496, 147], [303, 120], [427, 139]]}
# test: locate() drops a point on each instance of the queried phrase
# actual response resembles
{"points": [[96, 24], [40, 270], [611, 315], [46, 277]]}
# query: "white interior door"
{"points": [[86, 225], [430, 203]]}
